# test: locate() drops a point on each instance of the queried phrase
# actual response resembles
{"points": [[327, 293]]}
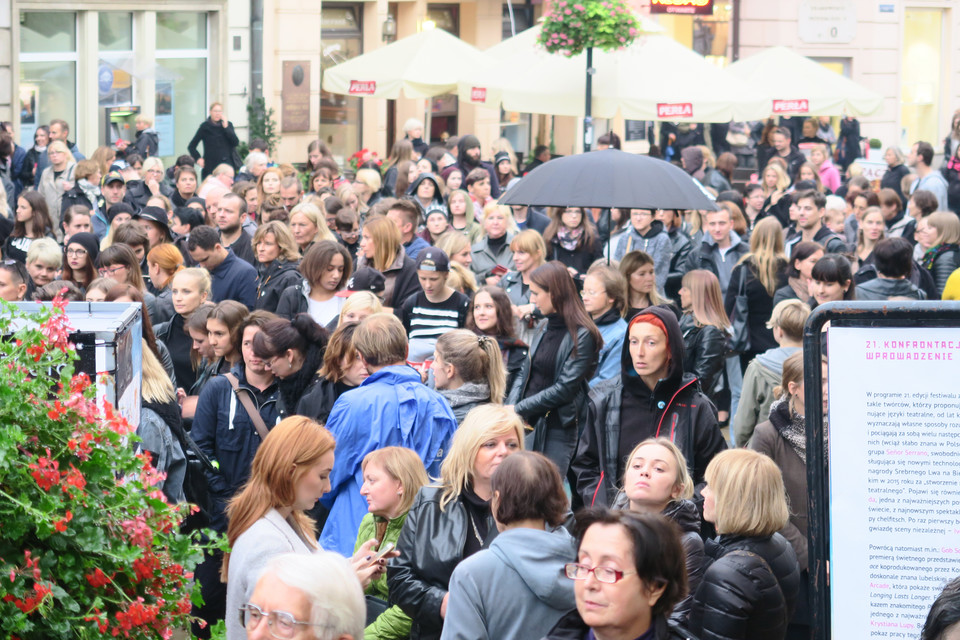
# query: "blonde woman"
{"points": [[529, 252], [189, 288], [942, 233], [871, 230], [392, 477], [56, 180], [705, 327], [746, 501], [454, 515], [359, 305], [775, 183], [468, 371], [656, 481], [308, 226], [461, 279], [381, 248], [160, 429], [758, 276]]}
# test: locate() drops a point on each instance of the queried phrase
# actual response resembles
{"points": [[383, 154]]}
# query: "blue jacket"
{"points": [[390, 408], [224, 432], [609, 365], [234, 279]]}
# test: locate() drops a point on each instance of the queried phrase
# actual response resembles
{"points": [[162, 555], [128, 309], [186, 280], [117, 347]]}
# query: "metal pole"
{"points": [[587, 119]]}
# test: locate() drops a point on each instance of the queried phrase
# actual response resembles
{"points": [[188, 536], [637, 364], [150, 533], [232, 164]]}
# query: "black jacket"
{"points": [[568, 393], [830, 241], [146, 144], [292, 301], [943, 265], [431, 545], [759, 304], [137, 195], [687, 417], [293, 388], [572, 627], [219, 145], [682, 245], [318, 400], [515, 359], [749, 591], [892, 179], [272, 281], [77, 196], [580, 259], [704, 349]]}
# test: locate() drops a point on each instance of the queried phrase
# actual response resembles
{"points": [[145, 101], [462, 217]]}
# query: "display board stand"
{"points": [[883, 472]]}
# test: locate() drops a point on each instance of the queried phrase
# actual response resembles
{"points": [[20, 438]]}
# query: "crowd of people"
{"points": [[508, 420]]}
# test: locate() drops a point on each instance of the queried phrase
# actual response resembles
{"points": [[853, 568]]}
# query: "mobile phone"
{"points": [[499, 270], [387, 548]]}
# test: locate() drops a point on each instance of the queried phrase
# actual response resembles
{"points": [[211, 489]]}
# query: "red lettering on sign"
{"points": [[791, 106], [362, 87], [674, 110], [478, 94]]}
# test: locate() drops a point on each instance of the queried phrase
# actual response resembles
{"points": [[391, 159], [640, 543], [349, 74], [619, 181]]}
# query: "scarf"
{"points": [[790, 425], [934, 252], [469, 392], [91, 191], [569, 239], [799, 287]]}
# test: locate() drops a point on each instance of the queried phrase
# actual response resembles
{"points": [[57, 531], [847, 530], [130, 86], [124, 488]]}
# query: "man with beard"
{"points": [[229, 221], [468, 157]]}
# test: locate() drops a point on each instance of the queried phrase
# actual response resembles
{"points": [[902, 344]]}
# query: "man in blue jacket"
{"points": [[390, 408], [232, 278]]}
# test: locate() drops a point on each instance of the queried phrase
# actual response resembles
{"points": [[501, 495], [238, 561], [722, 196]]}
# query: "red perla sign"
{"points": [[478, 94], [791, 106], [675, 110], [362, 87]]}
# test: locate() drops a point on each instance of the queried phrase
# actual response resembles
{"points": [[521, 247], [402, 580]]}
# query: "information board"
{"points": [[894, 481]]}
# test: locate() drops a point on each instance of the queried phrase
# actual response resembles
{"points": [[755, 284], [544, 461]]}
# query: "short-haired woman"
{"points": [[511, 590], [468, 371], [657, 482], [628, 577], [943, 257], [529, 252], [189, 289], [163, 262], [750, 590], [392, 477], [342, 371], [277, 257], [452, 520], [308, 226], [325, 269], [563, 357]]}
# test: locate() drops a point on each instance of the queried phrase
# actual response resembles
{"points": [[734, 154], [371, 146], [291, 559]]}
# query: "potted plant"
{"points": [[89, 547]]}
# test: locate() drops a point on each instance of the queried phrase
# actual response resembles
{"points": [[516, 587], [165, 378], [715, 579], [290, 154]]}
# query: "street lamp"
{"points": [[389, 29]]}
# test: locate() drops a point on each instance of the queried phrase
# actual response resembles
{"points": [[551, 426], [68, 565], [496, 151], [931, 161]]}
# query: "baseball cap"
{"points": [[432, 259], [112, 176], [365, 279]]}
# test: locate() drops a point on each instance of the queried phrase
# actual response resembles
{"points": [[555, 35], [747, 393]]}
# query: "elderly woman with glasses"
{"points": [[628, 576]]}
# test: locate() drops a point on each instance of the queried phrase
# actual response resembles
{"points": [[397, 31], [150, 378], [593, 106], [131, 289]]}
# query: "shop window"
{"points": [[48, 71], [115, 68], [340, 116], [516, 18], [181, 90]]}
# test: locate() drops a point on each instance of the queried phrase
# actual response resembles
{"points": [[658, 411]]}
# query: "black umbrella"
{"points": [[609, 178]]}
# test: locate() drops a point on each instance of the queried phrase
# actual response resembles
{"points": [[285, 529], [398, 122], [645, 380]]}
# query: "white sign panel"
{"points": [[894, 436], [827, 21]]}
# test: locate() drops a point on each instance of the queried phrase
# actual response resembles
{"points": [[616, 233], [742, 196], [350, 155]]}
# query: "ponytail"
{"points": [[476, 359], [792, 372]]}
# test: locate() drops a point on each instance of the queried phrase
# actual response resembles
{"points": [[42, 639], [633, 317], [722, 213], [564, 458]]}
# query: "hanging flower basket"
{"points": [[571, 27]]}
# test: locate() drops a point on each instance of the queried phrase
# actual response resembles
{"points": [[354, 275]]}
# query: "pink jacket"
{"points": [[829, 176]]}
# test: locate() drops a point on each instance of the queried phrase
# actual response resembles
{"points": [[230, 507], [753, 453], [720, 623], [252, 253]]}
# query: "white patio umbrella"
{"points": [[797, 85], [423, 65], [656, 78]]}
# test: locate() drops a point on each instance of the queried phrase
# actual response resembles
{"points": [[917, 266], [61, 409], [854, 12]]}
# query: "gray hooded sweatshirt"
{"points": [[763, 374], [515, 590]]}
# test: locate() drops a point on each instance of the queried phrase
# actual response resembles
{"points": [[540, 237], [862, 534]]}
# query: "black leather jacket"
{"points": [[273, 280], [682, 246], [944, 265], [568, 393], [703, 351], [431, 545], [749, 591]]}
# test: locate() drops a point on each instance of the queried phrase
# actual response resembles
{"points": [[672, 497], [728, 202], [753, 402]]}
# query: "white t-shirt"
{"points": [[325, 312]]}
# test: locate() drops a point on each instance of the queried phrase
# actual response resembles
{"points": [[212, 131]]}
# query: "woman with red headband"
{"points": [[651, 398]]}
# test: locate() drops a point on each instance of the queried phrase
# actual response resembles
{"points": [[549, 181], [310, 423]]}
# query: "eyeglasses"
{"points": [[112, 271], [281, 624], [76, 253], [576, 571]]}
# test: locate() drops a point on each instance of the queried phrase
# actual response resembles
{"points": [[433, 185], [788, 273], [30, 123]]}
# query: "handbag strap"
{"points": [[247, 403]]}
